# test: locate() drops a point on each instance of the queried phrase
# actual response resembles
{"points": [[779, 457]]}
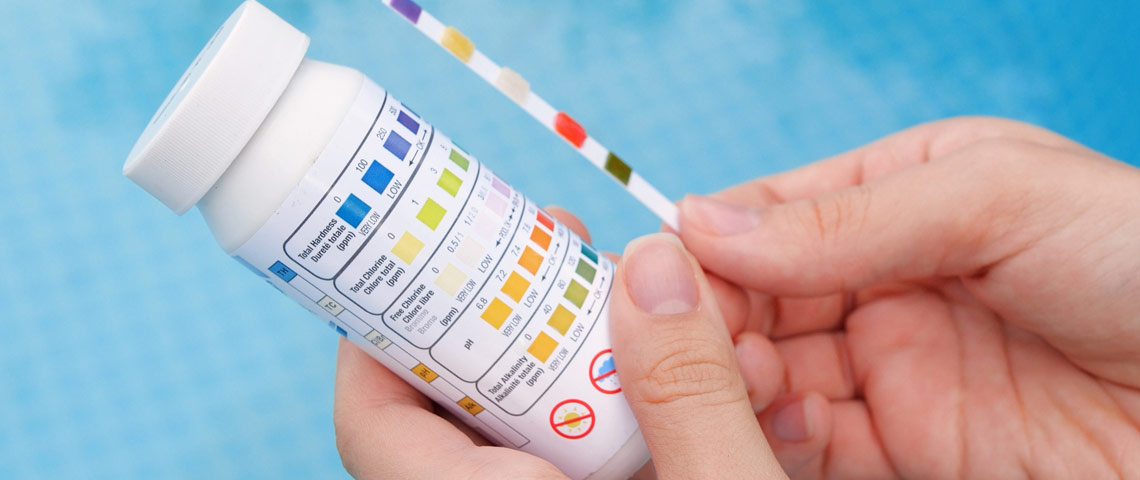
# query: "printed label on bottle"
{"points": [[409, 247]]}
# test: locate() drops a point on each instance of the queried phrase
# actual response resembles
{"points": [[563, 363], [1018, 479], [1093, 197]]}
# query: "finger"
{"points": [[817, 362], [841, 441], [377, 415], [796, 316], [570, 220], [907, 148], [678, 368], [946, 218], [761, 368], [734, 303], [798, 427]]}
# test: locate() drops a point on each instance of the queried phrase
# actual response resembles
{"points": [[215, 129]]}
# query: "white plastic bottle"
{"points": [[345, 200]]}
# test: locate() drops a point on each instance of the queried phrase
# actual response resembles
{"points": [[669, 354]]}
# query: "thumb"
{"points": [[952, 217], [678, 368]]}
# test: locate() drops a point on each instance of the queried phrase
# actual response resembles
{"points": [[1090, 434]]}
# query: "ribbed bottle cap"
{"points": [[216, 107]]}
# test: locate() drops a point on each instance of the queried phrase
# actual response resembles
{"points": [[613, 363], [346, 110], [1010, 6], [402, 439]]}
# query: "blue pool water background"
{"points": [[131, 347]]}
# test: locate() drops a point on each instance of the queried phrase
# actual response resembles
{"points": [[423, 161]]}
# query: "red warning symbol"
{"points": [[572, 419], [602, 373]]}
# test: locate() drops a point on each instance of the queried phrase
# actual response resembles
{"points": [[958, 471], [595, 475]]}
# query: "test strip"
{"points": [[515, 87]]}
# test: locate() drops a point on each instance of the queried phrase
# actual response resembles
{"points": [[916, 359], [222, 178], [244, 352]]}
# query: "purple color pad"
{"points": [[408, 9], [502, 187]]}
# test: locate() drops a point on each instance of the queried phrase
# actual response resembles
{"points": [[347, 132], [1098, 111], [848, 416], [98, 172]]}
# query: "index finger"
{"points": [[913, 146]]}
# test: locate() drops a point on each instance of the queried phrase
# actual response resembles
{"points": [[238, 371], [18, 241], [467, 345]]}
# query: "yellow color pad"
{"points": [[450, 279], [561, 320], [449, 182], [457, 43], [516, 286], [531, 261], [542, 347], [407, 248], [496, 313], [431, 214]]}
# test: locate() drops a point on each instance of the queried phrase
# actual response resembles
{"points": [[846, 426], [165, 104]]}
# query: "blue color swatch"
{"points": [[353, 211], [378, 177], [407, 121], [589, 253], [397, 145]]}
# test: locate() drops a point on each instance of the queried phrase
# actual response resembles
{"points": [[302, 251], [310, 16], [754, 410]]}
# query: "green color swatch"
{"points": [[462, 161], [576, 293], [618, 168], [585, 270]]}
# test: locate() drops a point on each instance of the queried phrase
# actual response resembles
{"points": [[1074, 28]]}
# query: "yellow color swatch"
{"points": [[424, 372], [541, 238], [470, 405], [407, 248], [496, 313], [542, 347], [531, 261], [431, 214], [450, 279], [516, 286], [561, 320], [449, 182], [457, 43]]}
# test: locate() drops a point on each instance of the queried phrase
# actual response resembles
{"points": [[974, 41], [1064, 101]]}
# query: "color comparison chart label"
{"points": [[438, 268]]}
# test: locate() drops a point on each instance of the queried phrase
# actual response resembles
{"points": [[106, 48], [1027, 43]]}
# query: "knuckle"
{"points": [[690, 370], [836, 217]]}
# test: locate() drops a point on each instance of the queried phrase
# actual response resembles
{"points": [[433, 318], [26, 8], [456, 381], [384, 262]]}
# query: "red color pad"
{"points": [[545, 220], [569, 129]]}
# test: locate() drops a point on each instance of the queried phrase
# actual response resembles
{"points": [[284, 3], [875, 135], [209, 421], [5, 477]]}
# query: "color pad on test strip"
{"points": [[585, 270], [449, 182], [576, 293], [431, 214], [561, 320], [397, 145], [459, 159], [515, 287], [353, 210], [541, 238], [378, 177], [531, 261], [545, 220], [496, 313], [407, 248], [542, 347], [450, 279], [469, 252]]}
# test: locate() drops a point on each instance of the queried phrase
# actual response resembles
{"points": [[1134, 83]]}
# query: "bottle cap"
{"points": [[216, 106]]}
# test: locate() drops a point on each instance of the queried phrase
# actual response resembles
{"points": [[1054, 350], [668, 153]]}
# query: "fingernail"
{"points": [[790, 423], [658, 275], [717, 217]]}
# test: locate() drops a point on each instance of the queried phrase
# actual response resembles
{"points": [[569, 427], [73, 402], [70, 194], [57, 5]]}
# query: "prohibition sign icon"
{"points": [[572, 419], [603, 375]]}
